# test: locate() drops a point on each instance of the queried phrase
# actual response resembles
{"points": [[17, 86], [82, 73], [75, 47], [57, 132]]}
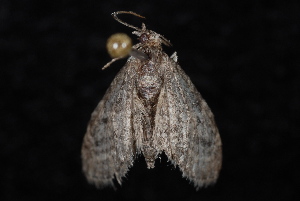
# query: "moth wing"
{"points": [[185, 127], [108, 149]]}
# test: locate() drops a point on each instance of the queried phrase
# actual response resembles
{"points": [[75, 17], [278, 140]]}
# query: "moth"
{"points": [[151, 107]]}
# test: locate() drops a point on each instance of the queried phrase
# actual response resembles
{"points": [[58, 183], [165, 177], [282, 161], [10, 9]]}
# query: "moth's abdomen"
{"points": [[148, 87]]}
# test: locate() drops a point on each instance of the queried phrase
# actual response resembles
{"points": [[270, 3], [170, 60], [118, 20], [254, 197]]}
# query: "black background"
{"points": [[241, 55]]}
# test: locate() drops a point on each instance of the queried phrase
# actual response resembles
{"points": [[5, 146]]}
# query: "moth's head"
{"points": [[119, 45], [150, 38], [145, 36]]}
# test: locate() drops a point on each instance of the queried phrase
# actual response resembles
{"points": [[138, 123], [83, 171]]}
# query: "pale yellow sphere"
{"points": [[119, 45]]}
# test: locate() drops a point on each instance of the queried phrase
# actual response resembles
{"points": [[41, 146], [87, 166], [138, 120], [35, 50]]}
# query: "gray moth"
{"points": [[151, 107]]}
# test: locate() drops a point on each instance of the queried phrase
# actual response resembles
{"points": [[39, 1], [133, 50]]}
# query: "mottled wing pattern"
{"points": [[108, 149], [185, 128]]}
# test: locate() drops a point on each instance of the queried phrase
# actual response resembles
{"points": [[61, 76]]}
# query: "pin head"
{"points": [[119, 45]]}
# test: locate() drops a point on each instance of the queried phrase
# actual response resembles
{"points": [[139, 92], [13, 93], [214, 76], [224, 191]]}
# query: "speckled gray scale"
{"points": [[151, 107]]}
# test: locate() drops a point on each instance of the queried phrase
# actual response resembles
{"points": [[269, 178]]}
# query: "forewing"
{"points": [[108, 149], [185, 128]]}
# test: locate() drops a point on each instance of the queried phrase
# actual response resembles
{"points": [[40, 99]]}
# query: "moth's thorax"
{"points": [[150, 39], [149, 81]]}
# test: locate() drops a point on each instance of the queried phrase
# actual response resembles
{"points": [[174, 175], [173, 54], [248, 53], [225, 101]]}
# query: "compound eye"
{"points": [[143, 38]]}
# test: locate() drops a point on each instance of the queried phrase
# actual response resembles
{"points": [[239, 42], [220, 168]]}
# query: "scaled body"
{"points": [[151, 107]]}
